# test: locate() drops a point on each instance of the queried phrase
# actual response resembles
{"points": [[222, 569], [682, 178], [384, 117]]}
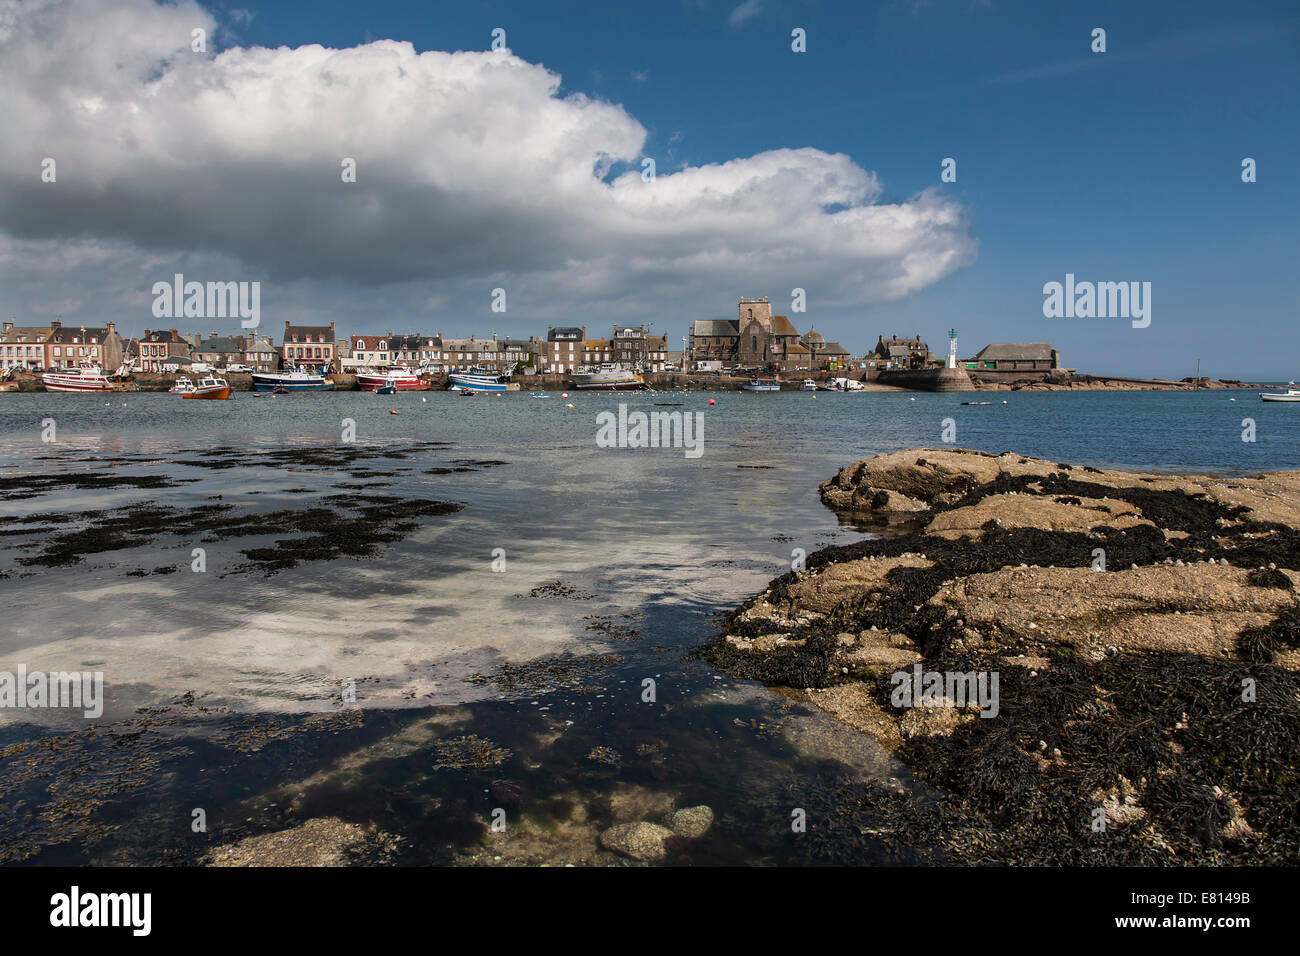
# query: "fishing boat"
{"points": [[541, 395], [402, 378], [388, 388], [1290, 395], [478, 379], [211, 388], [809, 385], [292, 380], [181, 386], [87, 378], [608, 378], [759, 386]]}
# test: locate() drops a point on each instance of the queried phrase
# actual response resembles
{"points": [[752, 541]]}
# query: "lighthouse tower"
{"points": [[952, 348]]}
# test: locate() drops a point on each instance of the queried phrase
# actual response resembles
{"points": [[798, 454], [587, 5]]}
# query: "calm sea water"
{"points": [[647, 547]]}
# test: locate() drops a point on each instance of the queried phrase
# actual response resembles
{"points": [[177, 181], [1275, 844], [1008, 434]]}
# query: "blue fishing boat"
{"points": [[478, 379], [291, 380]]}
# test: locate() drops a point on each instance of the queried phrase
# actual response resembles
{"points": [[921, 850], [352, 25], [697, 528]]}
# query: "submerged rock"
{"points": [[641, 841], [691, 822]]}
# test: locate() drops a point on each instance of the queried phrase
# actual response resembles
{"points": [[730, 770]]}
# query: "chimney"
{"points": [[110, 326], [286, 325], [494, 336], [56, 324], [8, 326]]}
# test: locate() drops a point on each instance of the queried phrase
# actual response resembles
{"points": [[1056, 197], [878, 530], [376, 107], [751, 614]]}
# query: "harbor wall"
{"points": [[928, 379]]}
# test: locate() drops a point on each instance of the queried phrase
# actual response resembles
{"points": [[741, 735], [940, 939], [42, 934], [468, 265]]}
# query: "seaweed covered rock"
{"points": [[1139, 635]]}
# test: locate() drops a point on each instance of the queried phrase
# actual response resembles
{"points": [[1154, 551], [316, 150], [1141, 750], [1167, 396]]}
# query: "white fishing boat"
{"points": [[760, 386], [809, 385], [1290, 395], [87, 378], [608, 378], [478, 379]]}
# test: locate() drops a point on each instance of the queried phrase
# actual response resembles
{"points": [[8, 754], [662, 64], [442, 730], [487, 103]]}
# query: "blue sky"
{"points": [[1118, 166], [1115, 166]]}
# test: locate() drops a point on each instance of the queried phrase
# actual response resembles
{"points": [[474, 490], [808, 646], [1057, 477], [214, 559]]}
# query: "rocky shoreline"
{"points": [[1138, 635]]}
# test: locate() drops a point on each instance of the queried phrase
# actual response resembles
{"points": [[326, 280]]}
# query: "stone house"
{"points": [[69, 347], [307, 344], [23, 347], [903, 353]]}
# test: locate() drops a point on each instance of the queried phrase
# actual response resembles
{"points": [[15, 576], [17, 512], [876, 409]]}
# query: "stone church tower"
{"points": [[759, 310], [753, 346]]}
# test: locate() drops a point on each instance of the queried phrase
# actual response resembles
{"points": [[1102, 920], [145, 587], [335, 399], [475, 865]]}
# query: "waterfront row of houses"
{"points": [[162, 350], [755, 339]]}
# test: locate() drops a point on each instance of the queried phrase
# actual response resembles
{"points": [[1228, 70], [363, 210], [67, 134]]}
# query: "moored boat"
{"points": [[478, 380], [608, 378], [210, 388], [292, 380], [1290, 395], [809, 385], [402, 379], [759, 386], [87, 378]]}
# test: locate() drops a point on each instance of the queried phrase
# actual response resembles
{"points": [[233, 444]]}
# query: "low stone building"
{"points": [[1015, 357]]}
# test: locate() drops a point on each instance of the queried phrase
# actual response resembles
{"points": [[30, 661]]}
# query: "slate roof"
{"points": [[716, 328], [1013, 351]]}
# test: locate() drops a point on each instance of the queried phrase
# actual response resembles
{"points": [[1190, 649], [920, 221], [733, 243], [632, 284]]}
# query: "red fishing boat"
{"points": [[88, 378], [400, 377]]}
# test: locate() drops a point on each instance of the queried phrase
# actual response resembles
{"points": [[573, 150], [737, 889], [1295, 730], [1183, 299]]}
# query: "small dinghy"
{"points": [[977, 403]]}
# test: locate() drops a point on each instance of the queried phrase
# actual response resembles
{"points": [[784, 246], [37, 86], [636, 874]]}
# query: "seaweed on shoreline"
{"points": [[1097, 755]]}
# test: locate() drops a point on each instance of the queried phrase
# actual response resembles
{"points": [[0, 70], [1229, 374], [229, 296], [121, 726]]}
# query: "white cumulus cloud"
{"points": [[473, 168]]}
